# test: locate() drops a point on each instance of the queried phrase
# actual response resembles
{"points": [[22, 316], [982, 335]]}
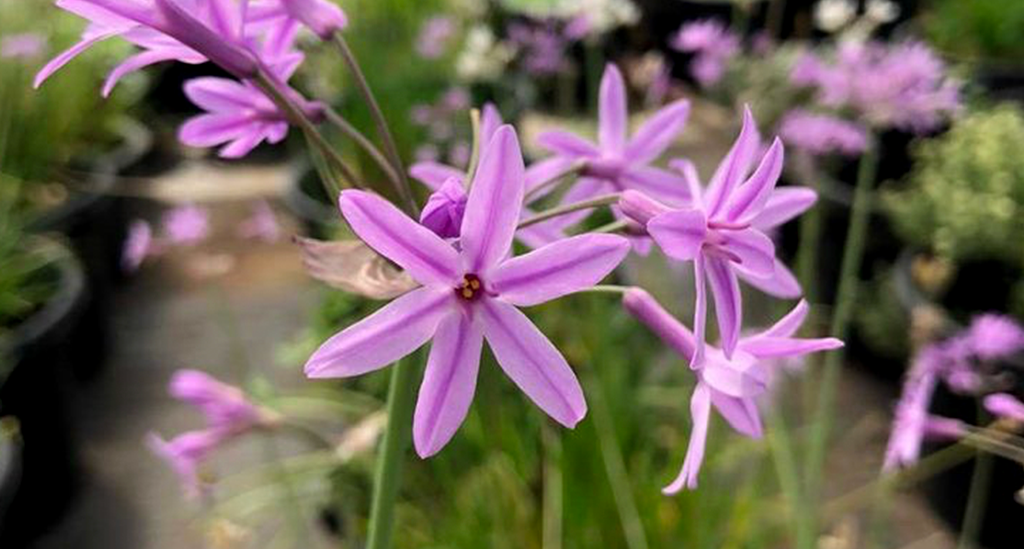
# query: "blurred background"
{"points": [[125, 256]]}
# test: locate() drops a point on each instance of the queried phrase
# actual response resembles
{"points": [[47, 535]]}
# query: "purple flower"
{"points": [[184, 453], [469, 294], [578, 28], [226, 408], [137, 245], [731, 385], [993, 336], [1005, 406], [445, 209], [911, 421], [435, 175], [323, 17], [902, 85], [712, 44], [617, 162], [822, 134], [435, 36], [542, 48], [186, 224], [723, 231], [238, 115], [262, 224], [28, 45]]}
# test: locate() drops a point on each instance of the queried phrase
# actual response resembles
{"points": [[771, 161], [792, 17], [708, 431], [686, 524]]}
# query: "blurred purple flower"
{"points": [[186, 224], [426, 153], [903, 85], [238, 114], [226, 408], [993, 336], [731, 385], [185, 453], [435, 36], [459, 153], [821, 134], [712, 43], [1005, 406], [578, 28], [261, 224], [910, 422], [541, 46], [28, 45], [137, 246], [723, 231], [469, 294]]}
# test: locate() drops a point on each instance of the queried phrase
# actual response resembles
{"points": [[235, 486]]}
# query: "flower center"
{"points": [[471, 287]]}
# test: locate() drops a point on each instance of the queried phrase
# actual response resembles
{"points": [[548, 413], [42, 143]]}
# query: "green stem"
{"points": [[553, 486], [538, 187], [474, 155], [787, 471], [977, 496], [402, 184], [401, 399], [846, 297], [606, 200], [356, 136], [810, 231]]}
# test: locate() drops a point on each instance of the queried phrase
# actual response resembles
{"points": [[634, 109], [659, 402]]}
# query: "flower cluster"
{"points": [[182, 226], [902, 86], [821, 134], [228, 413], [712, 43], [966, 363]]}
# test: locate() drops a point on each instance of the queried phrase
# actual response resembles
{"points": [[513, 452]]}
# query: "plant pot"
{"points": [[306, 199], [1001, 81], [37, 392]]}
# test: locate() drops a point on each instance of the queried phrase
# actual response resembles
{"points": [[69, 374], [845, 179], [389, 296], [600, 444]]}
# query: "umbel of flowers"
{"points": [[462, 285]]}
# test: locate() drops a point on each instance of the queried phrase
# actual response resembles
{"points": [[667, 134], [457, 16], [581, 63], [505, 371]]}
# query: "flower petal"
{"points": [[427, 258], [700, 411], [755, 251], [448, 383], [692, 179], [741, 413], [661, 184], [242, 145], [784, 204], [67, 55], [134, 63], [728, 302], [782, 283], [397, 329], [679, 233], [545, 171], [532, 362], [742, 377], [734, 166], [218, 94], [657, 133], [776, 347], [495, 200], [490, 121], [788, 325], [434, 174], [567, 144], [749, 199], [700, 311], [612, 115], [560, 268], [207, 130]]}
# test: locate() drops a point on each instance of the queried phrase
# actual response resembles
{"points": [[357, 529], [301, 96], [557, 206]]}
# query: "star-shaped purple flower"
{"points": [[468, 295], [731, 385]]}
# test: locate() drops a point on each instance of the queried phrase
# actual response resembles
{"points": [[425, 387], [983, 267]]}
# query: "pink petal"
{"points": [[558, 269], [782, 283], [67, 55], [612, 115], [397, 329], [755, 251], [734, 166], [495, 200], [749, 199], [532, 362], [692, 179], [567, 144], [490, 121], [134, 63], [777, 347], [243, 145], [743, 377], [434, 174], [448, 383], [700, 411], [1005, 406], [218, 94], [658, 132], [788, 325], [207, 130], [545, 171], [659, 183], [679, 233], [700, 311], [741, 413], [728, 302], [427, 258], [783, 205]]}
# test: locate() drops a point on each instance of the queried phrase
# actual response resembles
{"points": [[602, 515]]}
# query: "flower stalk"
{"points": [[846, 296], [606, 200], [350, 131], [401, 399]]}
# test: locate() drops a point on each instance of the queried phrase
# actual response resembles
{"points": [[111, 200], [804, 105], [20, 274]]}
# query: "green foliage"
{"points": [[25, 279], [964, 199], [66, 119], [988, 29]]}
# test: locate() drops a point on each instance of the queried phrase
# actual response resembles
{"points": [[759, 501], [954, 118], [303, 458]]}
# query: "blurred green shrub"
{"points": [[987, 29], [964, 198]]}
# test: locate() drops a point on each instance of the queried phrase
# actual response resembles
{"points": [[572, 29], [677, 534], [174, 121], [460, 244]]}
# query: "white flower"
{"points": [[832, 15], [882, 11], [482, 56]]}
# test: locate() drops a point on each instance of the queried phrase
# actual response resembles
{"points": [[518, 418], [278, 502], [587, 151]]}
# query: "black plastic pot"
{"points": [[1002, 82], [308, 201], [37, 393]]}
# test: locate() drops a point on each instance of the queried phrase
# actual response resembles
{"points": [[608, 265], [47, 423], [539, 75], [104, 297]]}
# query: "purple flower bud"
{"points": [[1005, 406], [940, 428], [322, 17], [445, 208], [639, 207], [647, 310]]}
